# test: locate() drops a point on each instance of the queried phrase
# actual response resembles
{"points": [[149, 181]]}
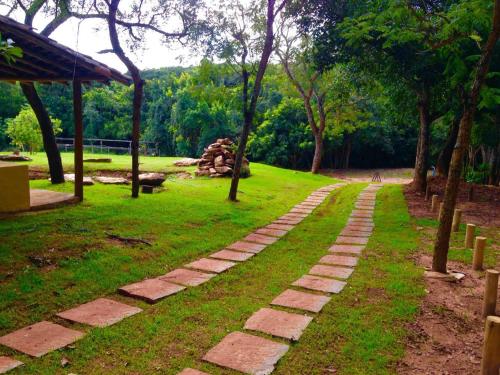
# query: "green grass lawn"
{"points": [[359, 332], [119, 162]]}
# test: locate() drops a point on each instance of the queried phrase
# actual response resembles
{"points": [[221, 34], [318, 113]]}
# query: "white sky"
{"points": [[84, 37]]}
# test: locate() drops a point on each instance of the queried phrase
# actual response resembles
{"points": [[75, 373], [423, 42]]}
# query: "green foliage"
{"points": [[8, 51], [24, 130]]}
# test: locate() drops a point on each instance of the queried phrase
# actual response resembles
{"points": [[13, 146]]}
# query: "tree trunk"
{"points": [[49, 139], [318, 153], [442, 242], [444, 159], [249, 111], [422, 157]]}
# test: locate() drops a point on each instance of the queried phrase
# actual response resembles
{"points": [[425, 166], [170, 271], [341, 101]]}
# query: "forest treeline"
{"points": [[185, 109]]}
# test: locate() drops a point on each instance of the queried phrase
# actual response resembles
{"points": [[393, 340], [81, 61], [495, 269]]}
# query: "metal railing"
{"points": [[108, 146]]}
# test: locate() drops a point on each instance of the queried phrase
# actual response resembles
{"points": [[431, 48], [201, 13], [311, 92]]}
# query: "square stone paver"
{"points": [[7, 364], [271, 232], [361, 220], [362, 228], [352, 240], [260, 238], [211, 265], [102, 312], [247, 353], [247, 247], [307, 204], [294, 215], [350, 249], [151, 290], [339, 260], [40, 338], [301, 211], [354, 233], [191, 371], [280, 226], [321, 284], [278, 323], [187, 277], [238, 256], [360, 213], [364, 207], [331, 271], [301, 300], [286, 221]]}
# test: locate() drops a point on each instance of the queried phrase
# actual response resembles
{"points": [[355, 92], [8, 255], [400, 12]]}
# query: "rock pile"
{"points": [[218, 160]]}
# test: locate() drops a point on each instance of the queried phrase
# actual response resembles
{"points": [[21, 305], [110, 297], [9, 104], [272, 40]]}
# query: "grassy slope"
{"points": [[359, 332], [189, 219]]}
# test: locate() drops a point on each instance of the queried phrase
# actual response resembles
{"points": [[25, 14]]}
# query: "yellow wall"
{"points": [[14, 187]]}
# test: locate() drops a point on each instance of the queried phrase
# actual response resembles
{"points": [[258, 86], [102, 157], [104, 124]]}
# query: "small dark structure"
{"points": [[46, 61]]}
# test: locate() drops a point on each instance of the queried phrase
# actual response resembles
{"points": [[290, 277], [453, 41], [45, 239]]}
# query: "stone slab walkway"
{"points": [[256, 355], [7, 364], [278, 323], [40, 338], [102, 312], [187, 277], [247, 353], [150, 290]]}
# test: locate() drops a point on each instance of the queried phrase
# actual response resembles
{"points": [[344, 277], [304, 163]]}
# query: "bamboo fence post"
{"points": [[477, 261], [469, 236], [490, 293], [434, 203], [490, 364], [457, 215]]}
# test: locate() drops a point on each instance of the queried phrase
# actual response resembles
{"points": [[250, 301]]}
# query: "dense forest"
{"points": [[185, 109]]}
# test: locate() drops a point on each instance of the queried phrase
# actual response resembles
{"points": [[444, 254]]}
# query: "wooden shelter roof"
{"points": [[45, 60]]}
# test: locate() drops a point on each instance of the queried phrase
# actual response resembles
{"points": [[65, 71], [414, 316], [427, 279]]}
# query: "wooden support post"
{"points": [[469, 236], [440, 209], [477, 261], [490, 293], [78, 140], [490, 364], [434, 203], [427, 192], [457, 215]]}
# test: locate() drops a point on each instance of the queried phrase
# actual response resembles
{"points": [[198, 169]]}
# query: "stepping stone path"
{"points": [[102, 312], [40, 338], [187, 277], [150, 290], [190, 371], [278, 323], [257, 355], [7, 364], [247, 353]]}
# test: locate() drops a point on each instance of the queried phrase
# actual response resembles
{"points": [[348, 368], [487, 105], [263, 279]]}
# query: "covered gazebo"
{"points": [[46, 61]]}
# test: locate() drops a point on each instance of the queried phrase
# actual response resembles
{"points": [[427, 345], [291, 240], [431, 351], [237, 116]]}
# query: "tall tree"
{"points": [[442, 243], [239, 47], [139, 19]]}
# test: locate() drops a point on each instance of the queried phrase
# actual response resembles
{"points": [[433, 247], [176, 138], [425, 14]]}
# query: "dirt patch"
{"points": [[447, 336], [389, 176], [484, 210]]}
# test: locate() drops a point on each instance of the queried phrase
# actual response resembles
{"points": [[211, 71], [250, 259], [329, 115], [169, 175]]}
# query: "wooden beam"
{"points": [[78, 116]]}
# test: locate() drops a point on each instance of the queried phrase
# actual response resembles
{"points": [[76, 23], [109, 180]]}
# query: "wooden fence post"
{"points": [[477, 261], [427, 192], [457, 215], [490, 293], [434, 203], [469, 236], [490, 364]]}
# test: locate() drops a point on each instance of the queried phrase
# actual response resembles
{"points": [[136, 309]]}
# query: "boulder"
{"points": [[111, 180], [14, 157], [151, 179], [218, 160], [186, 162], [70, 177]]}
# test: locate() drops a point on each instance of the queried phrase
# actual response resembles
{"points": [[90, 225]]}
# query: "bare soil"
{"points": [[389, 176], [447, 336], [484, 210]]}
